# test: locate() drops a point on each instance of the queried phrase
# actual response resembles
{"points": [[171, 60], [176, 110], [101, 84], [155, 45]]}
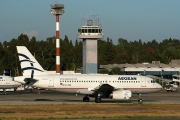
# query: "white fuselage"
{"points": [[176, 78], [6, 82], [86, 84]]}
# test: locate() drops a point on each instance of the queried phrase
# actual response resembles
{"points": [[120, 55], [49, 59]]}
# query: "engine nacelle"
{"points": [[121, 94]]}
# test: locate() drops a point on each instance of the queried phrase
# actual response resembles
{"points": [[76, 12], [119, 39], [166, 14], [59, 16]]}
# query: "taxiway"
{"points": [[52, 97]]}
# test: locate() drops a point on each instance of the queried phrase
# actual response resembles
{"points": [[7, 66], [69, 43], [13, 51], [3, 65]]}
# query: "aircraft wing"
{"points": [[103, 87], [105, 90]]}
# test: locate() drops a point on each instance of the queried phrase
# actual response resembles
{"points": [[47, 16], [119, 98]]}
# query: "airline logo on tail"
{"points": [[27, 59], [29, 65]]}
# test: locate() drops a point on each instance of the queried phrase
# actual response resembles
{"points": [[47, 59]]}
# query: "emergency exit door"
{"points": [[143, 82], [7, 80], [51, 82]]}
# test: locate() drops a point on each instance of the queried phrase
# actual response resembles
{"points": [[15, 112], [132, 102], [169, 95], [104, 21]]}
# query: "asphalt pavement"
{"points": [[54, 97]]}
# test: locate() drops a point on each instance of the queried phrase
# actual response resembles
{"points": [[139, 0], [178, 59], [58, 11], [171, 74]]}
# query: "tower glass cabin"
{"points": [[90, 33]]}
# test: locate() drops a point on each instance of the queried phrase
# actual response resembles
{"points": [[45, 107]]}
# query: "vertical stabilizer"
{"points": [[29, 65]]}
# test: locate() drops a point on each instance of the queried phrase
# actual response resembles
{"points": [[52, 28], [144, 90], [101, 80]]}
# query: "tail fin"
{"points": [[29, 65]]}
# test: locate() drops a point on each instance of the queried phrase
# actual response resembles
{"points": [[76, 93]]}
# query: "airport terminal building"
{"points": [[155, 68]]}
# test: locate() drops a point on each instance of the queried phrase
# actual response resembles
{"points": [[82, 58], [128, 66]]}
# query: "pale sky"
{"points": [[128, 19]]}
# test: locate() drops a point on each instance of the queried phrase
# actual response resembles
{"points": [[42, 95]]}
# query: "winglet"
{"points": [[29, 65]]}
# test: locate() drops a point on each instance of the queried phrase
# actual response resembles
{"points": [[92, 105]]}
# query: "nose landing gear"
{"points": [[139, 98], [4, 90], [98, 98]]}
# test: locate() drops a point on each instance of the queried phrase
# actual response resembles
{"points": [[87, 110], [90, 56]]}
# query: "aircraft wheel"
{"points": [[86, 99], [4, 90], [98, 100]]}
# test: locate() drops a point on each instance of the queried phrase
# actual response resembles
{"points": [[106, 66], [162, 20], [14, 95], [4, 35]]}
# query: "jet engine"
{"points": [[121, 94]]}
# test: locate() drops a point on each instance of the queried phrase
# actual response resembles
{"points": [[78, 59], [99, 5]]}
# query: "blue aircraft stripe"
{"points": [[32, 74], [27, 59], [32, 64], [31, 68], [20, 54]]}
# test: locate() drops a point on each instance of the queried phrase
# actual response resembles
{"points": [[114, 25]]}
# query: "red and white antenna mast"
{"points": [[57, 10]]}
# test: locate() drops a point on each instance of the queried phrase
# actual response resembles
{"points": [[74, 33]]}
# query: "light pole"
{"points": [[162, 77]]}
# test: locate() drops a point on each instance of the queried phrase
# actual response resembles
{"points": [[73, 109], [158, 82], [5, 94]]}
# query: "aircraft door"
{"points": [[51, 82], [7, 80], [143, 82]]}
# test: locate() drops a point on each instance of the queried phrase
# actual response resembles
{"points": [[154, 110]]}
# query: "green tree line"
{"points": [[71, 55]]}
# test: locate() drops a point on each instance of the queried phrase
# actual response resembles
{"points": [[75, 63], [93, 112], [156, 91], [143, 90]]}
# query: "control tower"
{"points": [[90, 33]]}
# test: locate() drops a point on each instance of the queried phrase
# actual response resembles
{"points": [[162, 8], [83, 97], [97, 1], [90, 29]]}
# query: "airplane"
{"points": [[176, 78], [119, 87], [160, 78], [6, 82], [171, 84]]}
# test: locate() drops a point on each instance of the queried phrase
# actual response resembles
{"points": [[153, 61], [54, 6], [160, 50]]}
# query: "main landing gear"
{"points": [[4, 90], [139, 98], [98, 98], [86, 99]]}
